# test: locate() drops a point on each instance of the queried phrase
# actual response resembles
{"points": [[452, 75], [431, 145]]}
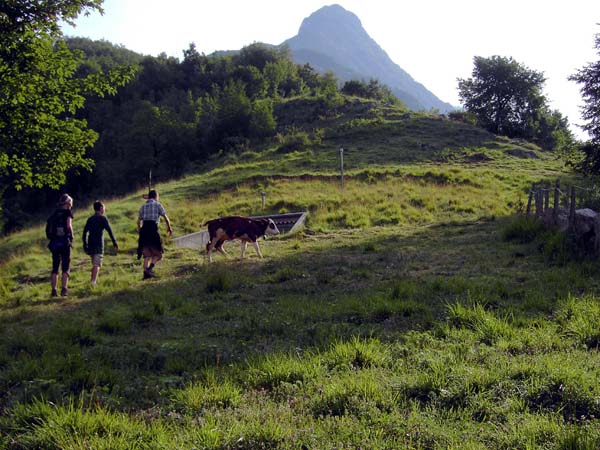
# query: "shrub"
{"points": [[556, 247], [523, 230], [295, 141], [462, 116]]}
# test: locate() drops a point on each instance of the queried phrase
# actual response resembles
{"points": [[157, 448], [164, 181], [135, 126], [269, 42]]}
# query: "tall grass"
{"points": [[412, 311]]}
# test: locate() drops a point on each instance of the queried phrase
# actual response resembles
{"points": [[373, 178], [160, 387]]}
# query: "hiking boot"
{"points": [[148, 274], [64, 292], [54, 293]]}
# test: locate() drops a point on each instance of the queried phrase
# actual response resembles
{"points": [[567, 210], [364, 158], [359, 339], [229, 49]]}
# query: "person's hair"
{"points": [[98, 205], [152, 194], [64, 199]]}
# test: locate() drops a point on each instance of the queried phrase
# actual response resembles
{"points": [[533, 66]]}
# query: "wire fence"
{"points": [[565, 201]]}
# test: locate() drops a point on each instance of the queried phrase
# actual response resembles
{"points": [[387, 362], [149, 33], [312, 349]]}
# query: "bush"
{"points": [[523, 230], [557, 247], [462, 116], [295, 141]]}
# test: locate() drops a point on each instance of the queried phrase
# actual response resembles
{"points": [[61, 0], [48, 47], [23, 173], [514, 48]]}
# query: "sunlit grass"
{"points": [[411, 312]]}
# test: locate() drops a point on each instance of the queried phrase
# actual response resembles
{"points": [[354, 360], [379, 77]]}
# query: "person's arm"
{"points": [[163, 213], [168, 222], [70, 227], [139, 220], [84, 236], [110, 233]]}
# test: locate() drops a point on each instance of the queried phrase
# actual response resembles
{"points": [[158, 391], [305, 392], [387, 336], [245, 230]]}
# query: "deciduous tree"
{"points": [[41, 137], [504, 95], [589, 79], [506, 98]]}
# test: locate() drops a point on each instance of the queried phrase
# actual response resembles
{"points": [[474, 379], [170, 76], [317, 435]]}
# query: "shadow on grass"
{"points": [[129, 346]]}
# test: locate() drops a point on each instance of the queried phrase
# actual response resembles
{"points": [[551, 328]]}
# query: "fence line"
{"points": [[539, 200]]}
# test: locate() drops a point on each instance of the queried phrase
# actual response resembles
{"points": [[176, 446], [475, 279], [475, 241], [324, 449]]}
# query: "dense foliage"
{"points": [[175, 114], [41, 136], [373, 89], [589, 79], [506, 98]]}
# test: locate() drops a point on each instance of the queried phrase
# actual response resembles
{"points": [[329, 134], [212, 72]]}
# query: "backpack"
{"points": [[56, 226]]}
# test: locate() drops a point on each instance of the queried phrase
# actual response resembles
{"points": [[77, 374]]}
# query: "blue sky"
{"points": [[433, 40]]}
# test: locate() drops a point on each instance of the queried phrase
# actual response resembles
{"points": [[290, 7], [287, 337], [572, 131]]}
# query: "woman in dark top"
{"points": [[59, 230]]}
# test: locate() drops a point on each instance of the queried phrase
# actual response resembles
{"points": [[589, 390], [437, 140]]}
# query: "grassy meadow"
{"points": [[415, 310]]}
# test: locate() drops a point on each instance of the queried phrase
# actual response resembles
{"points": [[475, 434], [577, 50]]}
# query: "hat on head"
{"points": [[64, 199]]}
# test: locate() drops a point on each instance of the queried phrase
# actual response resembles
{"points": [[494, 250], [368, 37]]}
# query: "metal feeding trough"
{"points": [[287, 223]]}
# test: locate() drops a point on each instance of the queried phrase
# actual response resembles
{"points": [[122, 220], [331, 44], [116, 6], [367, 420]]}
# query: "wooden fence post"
{"points": [[531, 192], [556, 197], [546, 196], [342, 168], [539, 205], [572, 208]]}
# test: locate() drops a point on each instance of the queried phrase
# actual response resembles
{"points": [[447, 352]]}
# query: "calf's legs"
{"points": [[218, 245], [256, 247]]}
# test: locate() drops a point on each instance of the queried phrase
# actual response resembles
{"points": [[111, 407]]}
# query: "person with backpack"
{"points": [[93, 238], [59, 230]]}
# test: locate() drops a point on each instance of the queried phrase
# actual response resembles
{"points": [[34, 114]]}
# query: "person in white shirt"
{"points": [[149, 243]]}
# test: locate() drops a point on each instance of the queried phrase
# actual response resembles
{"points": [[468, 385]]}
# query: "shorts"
{"points": [[149, 251], [97, 259]]}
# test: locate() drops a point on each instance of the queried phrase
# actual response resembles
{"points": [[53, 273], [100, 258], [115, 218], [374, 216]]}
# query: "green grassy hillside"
{"points": [[398, 318]]}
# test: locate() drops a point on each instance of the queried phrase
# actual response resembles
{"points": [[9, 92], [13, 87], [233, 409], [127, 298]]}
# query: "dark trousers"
{"points": [[61, 254]]}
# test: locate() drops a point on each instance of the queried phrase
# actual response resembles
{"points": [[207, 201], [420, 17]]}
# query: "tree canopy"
{"points": [[373, 89], [176, 113], [41, 137], [589, 79], [506, 98], [503, 94], [16, 16]]}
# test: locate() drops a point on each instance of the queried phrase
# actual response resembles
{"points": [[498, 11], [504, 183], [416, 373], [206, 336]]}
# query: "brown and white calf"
{"points": [[237, 227]]}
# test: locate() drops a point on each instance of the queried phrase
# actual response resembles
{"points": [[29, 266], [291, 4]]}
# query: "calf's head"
{"points": [[271, 227]]}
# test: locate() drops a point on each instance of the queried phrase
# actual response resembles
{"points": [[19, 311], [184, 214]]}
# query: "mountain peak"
{"points": [[329, 23], [330, 18], [333, 39]]}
